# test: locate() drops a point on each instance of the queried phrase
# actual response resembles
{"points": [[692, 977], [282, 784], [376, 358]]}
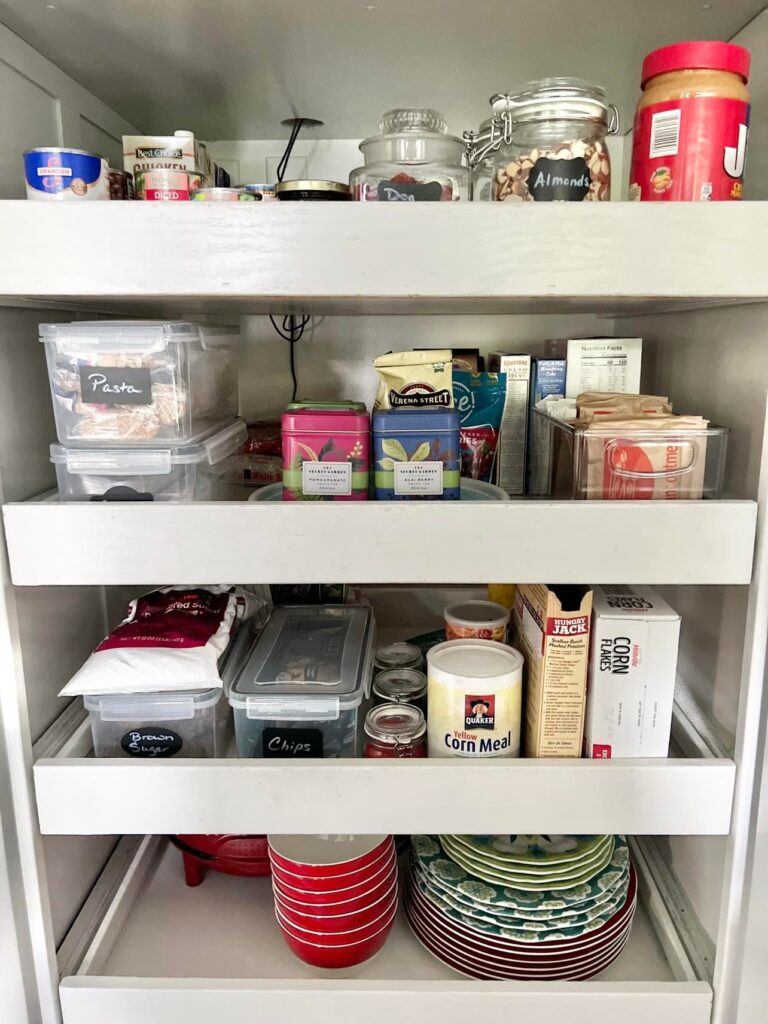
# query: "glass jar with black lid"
{"points": [[312, 190], [544, 143]]}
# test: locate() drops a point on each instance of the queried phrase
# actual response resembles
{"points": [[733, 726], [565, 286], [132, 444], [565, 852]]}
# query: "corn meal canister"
{"points": [[474, 694]]}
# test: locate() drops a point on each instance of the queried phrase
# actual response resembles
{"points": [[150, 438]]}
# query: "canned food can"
{"points": [[57, 173], [474, 693], [120, 184], [222, 195], [164, 183]]}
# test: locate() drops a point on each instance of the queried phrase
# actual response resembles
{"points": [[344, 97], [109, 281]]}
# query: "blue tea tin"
{"points": [[416, 455], [53, 172]]}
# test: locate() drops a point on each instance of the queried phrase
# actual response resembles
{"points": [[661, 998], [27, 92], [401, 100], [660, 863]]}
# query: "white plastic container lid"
{"points": [[159, 707], [310, 663], [134, 335], [475, 614], [222, 442], [474, 659]]}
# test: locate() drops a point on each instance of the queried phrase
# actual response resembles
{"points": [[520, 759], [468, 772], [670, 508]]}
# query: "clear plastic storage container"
{"points": [[299, 694], [139, 382], [198, 472], [637, 465]]}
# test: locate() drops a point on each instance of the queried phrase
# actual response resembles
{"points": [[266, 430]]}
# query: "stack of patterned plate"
{"points": [[528, 907]]}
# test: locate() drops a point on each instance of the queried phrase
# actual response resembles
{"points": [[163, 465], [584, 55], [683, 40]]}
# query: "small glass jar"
{"points": [[545, 143], [401, 686], [413, 160], [312, 191], [395, 730], [397, 655]]}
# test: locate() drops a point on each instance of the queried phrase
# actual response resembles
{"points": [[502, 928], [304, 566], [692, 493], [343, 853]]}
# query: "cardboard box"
{"points": [[547, 378], [552, 633], [511, 461], [178, 152], [632, 671], [603, 364]]}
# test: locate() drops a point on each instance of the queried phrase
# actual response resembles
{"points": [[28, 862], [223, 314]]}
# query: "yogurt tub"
{"points": [[474, 695], [481, 620]]}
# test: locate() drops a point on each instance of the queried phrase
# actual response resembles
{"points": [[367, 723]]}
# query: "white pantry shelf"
{"points": [[164, 952], [654, 542], [386, 258]]}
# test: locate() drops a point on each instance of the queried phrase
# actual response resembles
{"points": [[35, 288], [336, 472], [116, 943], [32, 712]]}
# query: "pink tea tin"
{"points": [[326, 455]]}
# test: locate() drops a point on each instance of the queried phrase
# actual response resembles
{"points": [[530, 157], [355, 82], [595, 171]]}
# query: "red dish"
{"points": [[320, 922], [353, 884], [244, 855], [310, 902], [339, 955], [338, 938], [318, 857]]}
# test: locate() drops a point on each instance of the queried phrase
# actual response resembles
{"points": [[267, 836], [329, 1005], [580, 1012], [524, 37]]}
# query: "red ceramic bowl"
{"points": [[308, 904], [337, 956], [315, 924], [320, 857], [350, 886], [338, 938], [341, 880]]}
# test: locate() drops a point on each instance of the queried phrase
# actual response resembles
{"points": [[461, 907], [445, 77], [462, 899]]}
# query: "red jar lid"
{"points": [[680, 56]]}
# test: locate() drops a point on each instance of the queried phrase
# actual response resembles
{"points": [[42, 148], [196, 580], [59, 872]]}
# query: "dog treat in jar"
{"points": [[482, 620], [545, 143], [401, 686], [691, 124], [395, 730], [474, 692]]}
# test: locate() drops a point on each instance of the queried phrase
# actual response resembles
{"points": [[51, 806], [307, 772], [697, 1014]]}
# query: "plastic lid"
{"points": [[397, 655], [413, 119], [477, 613], [118, 335], [159, 707], [400, 685], [311, 661], [395, 724], [222, 442], [181, 133], [475, 659], [712, 54]]}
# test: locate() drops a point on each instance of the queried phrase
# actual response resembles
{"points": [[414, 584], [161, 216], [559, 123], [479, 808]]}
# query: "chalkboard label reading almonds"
{"points": [[559, 181]]}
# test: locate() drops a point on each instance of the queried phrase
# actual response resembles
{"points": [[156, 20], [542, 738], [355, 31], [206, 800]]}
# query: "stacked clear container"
{"points": [[134, 401], [413, 160]]}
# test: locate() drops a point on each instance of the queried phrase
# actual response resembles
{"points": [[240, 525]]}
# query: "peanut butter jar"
{"points": [[691, 124]]}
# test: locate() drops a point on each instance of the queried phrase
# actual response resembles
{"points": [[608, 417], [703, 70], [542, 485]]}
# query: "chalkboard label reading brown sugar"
{"points": [[559, 181], [115, 385], [410, 192], [291, 742], [151, 741]]}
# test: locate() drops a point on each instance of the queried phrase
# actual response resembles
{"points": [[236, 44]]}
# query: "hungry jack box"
{"points": [[632, 670], [552, 633]]}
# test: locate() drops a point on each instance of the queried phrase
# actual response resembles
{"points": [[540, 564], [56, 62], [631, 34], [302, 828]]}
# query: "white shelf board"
{"points": [[386, 258], [215, 952], [658, 796], [651, 542]]}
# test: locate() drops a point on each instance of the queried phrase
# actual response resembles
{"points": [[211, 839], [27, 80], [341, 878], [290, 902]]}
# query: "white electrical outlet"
{"points": [[297, 168]]}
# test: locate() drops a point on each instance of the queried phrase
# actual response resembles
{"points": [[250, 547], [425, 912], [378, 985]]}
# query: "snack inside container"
{"points": [[299, 693]]}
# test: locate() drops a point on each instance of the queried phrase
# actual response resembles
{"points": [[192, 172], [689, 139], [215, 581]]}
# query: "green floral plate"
{"points": [[543, 865], [433, 861], [531, 850], [473, 913], [495, 876]]}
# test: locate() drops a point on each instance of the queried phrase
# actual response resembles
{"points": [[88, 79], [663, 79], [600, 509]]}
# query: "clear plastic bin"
{"points": [[137, 382], [198, 472], [639, 465], [299, 694]]}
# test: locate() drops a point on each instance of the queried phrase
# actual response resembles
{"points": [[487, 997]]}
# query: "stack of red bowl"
{"points": [[335, 896]]}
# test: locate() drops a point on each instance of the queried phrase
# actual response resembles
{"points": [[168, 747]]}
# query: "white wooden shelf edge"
{"points": [[651, 542]]}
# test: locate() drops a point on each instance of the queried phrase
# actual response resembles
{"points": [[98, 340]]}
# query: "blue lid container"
{"points": [[416, 455]]}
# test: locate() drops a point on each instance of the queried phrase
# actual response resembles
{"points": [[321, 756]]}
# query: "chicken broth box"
{"points": [[552, 633], [632, 670]]}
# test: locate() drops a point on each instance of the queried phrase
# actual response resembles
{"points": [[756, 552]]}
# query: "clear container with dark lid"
{"points": [[312, 190]]}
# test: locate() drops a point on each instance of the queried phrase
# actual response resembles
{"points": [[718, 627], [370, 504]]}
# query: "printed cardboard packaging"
{"points": [[552, 633], [178, 152], [603, 364], [632, 670], [513, 436]]}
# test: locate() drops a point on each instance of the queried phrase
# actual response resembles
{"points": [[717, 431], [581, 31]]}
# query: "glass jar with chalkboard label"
{"points": [[412, 160], [544, 143]]}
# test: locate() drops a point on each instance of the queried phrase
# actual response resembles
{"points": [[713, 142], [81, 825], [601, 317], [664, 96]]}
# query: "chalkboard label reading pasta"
{"points": [[151, 741], [559, 181], [407, 192], [115, 385], [292, 742]]}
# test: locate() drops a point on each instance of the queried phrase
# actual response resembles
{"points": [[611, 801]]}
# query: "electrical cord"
{"points": [[282, 167], [291, 331]]}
